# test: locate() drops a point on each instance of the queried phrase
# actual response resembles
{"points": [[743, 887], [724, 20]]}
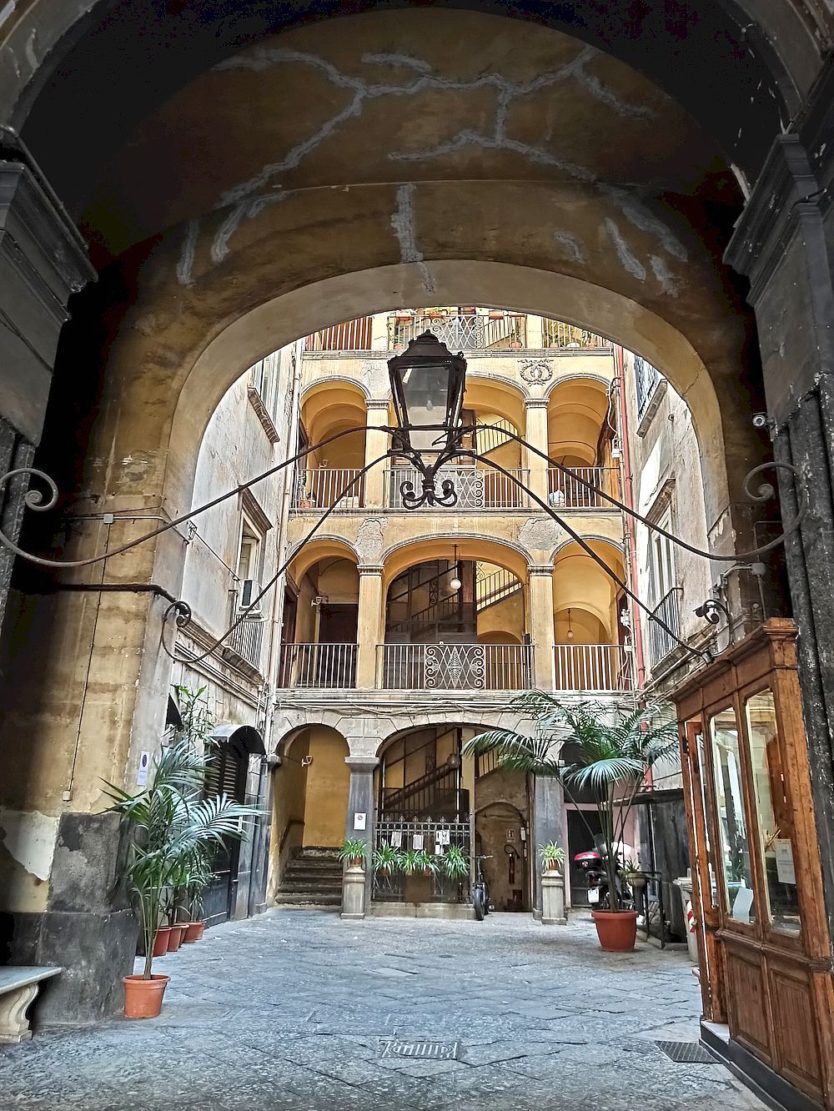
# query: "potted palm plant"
{"points": [[199, 877], [454, 863], [168, 822], [352, 852], [612, 749], [553, 856], [386, 859]]}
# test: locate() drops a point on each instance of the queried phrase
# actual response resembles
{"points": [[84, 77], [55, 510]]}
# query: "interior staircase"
{"points": [[312, 878]]}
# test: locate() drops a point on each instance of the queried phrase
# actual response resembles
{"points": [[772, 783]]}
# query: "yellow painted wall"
{"points": [[328, 776]]}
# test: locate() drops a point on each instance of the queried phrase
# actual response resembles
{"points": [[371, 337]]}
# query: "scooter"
{"points": [[592, 863]]}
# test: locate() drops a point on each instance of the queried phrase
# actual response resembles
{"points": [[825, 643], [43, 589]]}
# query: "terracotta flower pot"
{"points": [[616, 929], [175, 940], [193, 932], [552, 865], [160, 945], [143, 998]]}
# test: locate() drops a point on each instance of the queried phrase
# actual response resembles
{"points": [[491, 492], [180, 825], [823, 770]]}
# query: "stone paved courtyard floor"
{"points": [[294, 1009]]}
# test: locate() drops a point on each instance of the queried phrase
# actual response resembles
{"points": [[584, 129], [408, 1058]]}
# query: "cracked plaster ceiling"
{"points": [[398, 97]]}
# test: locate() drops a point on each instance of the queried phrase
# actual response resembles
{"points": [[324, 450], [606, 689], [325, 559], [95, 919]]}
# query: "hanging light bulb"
{"points": [[570, 627], [455, 583]]}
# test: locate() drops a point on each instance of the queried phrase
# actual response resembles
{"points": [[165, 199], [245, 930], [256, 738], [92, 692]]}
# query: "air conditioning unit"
{"points": [[249, 591]]}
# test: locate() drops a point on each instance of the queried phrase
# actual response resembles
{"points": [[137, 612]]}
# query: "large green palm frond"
{"points": [[516, 751]]}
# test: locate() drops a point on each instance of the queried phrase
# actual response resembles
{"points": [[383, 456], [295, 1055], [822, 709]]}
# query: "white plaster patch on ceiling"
{"points": [[630, 262], [644, 219], [185, 265], [573, 247], [666, 279], [402, 221], [29, 837], [249, 210]]}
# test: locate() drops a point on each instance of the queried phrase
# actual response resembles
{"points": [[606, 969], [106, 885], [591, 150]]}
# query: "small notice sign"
{"points": [[396, 839], [443, 836], [360, 821], [785, 871], [417, 841], [144, 767]]}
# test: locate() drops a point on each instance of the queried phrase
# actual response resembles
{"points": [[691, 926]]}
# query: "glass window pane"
{"points": [[702, 763], [732, 827], [774, 816]]}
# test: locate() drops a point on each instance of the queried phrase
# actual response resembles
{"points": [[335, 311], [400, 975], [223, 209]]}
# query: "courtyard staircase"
{"points": [[312, 878]]}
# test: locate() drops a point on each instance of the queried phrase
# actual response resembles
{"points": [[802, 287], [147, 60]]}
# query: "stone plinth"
{"points": [[353, 893], [553, 899]]}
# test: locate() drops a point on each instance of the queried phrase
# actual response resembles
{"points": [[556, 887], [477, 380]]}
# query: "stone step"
{"points": [[312, 888], [312, 876], [293, 898]]}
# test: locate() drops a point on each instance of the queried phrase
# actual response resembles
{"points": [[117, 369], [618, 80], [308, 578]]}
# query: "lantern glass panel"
{"points": [[426, 393]]}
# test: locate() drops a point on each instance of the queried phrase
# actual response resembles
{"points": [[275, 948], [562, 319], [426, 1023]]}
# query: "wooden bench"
{"points": [[19, 985]]}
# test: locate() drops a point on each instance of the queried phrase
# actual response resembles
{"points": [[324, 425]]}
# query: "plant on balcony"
{"points": [[553, 856], [454, 863], [386, 859], [352, 852], [613, 748]]}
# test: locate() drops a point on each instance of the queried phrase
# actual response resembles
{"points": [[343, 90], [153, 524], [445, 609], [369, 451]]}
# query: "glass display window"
{"points": [[734, 841]]}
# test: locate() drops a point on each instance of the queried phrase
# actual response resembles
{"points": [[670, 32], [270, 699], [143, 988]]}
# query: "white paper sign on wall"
{"points": [[396, 839], [417, 841], [360, 821], [144, 767]]}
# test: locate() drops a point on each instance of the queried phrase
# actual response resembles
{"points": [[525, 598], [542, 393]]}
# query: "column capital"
{"points": [[374, 403], [539, 569], [536, 402], [369, 569], [362, 763]]}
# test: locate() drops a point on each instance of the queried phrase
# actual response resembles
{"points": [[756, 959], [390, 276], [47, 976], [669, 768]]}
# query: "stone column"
{"points": [[370, 625], [547, 825], [361, 801], [542, 628], [784, 243], [376, 443], [536, 435], [43, 261], [379, 332], [534, 333]]}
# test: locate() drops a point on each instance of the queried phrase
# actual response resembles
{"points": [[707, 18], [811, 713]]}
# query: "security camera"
{"points": [[760, 420]]}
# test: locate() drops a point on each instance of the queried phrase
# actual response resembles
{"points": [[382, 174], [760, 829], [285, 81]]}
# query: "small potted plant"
{"points": [[634, 874], [454, 863], [411, 862], [199, 877], [426, 863], [352, 852], [553, 856], [386, 859]]}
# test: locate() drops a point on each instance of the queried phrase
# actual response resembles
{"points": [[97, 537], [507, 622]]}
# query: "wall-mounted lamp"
{"points": [[306, 761], [455, 583]]}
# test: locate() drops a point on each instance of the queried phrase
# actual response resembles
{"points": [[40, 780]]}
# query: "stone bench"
{"points": [[19, 985]]}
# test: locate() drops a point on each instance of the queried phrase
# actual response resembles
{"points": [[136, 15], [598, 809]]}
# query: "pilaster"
{"points": [[536, 435], [369, 626], [547, 825], [361, 813], [542, 627], [376, 444]]}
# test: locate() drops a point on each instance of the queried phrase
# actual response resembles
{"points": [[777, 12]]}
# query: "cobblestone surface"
{"points": [[292, 1010]]}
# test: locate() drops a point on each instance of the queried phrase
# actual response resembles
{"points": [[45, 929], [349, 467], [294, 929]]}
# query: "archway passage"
{"points": [[310, 800]]}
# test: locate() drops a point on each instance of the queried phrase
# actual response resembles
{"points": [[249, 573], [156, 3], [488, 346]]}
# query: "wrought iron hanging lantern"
{"points": [[427, 386]]}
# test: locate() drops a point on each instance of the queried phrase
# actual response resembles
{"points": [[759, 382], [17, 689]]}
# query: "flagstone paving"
{"points": [[301, 1011]]}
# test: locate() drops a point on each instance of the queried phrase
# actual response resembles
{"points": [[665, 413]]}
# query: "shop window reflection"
{"points": [[773, 813], [732, 827]]}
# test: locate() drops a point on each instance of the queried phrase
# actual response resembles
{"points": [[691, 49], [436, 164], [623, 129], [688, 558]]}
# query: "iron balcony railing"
{"points": [[319, 487], [476, 487], [460, 331], [317, 666], [247, 640], [351, 335], [556, 333], [592, 667], [570, 492], [473, 667], [669, 611]]}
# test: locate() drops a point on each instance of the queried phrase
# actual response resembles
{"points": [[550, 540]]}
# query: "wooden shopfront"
{"points": [[764, 946]]}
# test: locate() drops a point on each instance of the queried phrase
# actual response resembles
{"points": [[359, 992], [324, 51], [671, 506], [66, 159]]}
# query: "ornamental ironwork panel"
{"points": [[454, 667]]}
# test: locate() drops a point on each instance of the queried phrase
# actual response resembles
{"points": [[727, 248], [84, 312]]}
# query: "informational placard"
{"points": [[360, 820], [785, 871], [510, 835], [442, 837], [396, 839], [144, 767], [417, 841]]}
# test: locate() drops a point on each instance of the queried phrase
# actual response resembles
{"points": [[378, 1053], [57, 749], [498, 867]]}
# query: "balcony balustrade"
{"points": [[569, 492], [317, 666], [247, 640], [592, 668], [461, 331], [460, 667], [319, 487], [476, 487], [556, 333]]}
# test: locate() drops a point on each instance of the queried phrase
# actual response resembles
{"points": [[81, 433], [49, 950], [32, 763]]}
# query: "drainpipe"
{"points": [[628, 498]]}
